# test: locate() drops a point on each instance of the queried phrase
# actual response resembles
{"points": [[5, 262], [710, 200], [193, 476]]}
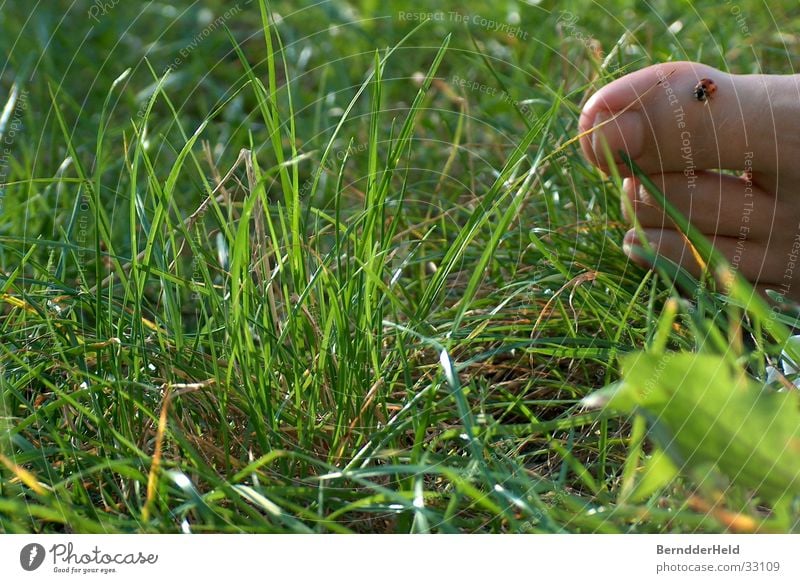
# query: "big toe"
{"points": [[658, 117]]}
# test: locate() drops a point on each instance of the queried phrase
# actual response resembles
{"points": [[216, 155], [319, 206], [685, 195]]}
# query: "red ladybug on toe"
{"points": [[704, 89]]}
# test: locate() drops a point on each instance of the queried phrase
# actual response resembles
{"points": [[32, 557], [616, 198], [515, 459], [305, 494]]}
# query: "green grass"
{"points": [[289, 275]]}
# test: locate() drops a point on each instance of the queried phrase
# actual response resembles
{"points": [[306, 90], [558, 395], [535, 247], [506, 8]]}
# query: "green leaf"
{"points": [[658, 471], [703, 411]]}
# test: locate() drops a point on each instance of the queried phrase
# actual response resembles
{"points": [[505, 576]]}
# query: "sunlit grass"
{"points": [[301, 282]]}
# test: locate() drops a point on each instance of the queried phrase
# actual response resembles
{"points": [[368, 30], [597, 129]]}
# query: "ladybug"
{"points": [[704, 89]]}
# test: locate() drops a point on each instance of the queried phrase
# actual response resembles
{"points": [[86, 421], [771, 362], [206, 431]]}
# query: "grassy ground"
{"points": [[346, 272]]}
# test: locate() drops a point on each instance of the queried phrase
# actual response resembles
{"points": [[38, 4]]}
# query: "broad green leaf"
{"points": [[658, 471], [702, 411]]}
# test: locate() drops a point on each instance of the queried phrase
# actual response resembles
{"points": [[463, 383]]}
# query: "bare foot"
{"points": [[680, 135]]}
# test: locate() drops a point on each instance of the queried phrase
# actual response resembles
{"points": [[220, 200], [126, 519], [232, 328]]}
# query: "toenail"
{"points": [[627, 248], [636, 191], [629, 241], [644, 195], [623, 132], [635, 248]]}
